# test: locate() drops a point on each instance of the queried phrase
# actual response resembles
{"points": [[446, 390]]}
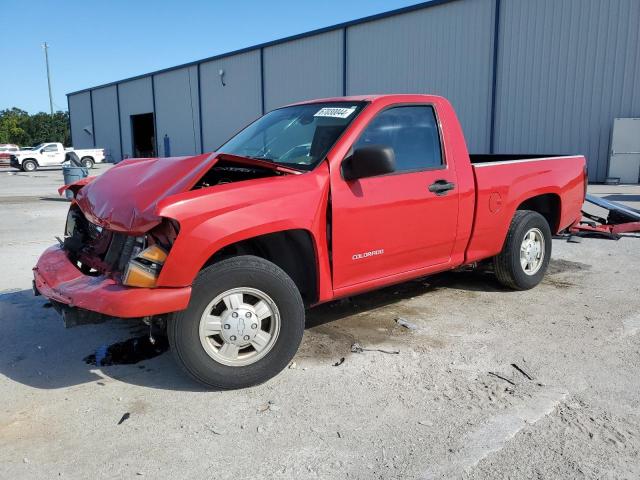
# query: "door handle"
{"points": [[441, 187]]}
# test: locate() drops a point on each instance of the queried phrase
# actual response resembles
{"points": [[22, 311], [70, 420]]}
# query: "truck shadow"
{"points": [[37, 351]]}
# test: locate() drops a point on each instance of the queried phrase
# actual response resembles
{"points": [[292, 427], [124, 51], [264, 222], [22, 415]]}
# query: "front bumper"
{"points": [[13, 161], [56, 278]]}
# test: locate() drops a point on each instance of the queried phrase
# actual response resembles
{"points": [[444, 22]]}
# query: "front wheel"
{"points": [[525, 256], [243, 325], [29, 166]]}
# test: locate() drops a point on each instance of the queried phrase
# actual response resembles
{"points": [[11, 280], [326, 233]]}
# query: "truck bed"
{"points": [[506, 157], [505, 182]]}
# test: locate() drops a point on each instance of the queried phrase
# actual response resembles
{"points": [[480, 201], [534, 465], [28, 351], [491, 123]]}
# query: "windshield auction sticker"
{"points": [[335, 112]]}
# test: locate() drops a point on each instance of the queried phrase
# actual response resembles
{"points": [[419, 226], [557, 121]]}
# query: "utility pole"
{"points": [[46, 59]]}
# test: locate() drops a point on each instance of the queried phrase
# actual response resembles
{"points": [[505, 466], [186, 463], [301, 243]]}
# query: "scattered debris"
{"points": [[529, 377], [128, 352], [102, 384], [260, 429], [339, 362], [25, 460], [425, 423], [406, 323], [268, 406], [339, 434], [293, 366], [502, 378], [357, 348], [125, 417]]}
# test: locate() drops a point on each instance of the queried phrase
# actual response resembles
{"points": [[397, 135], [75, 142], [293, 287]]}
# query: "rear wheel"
{"points": [[524, 259], [29, 166], [243, 325], [87, 162]]}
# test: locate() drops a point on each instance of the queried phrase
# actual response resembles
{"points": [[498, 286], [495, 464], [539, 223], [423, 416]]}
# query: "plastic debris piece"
{"points": [[125, 417], [339, 362], [357, 348], [406, 323], [501, 378], [529, 377]]}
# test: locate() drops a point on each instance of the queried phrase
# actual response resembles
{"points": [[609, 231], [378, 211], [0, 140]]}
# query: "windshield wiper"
{"points": [[266, 159]]}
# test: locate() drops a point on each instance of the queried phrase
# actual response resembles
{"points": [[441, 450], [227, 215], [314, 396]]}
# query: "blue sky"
{"points": [[94, 42]]}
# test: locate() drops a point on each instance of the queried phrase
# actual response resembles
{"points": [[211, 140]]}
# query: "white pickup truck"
{"points": [[51, 154]]}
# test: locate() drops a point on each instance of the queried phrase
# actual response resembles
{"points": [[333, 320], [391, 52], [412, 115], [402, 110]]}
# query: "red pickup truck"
{"points": [[311, 202]]}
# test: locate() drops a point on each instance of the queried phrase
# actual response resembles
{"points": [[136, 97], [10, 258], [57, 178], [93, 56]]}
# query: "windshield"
{"points": [[299, 136], [38, 146]]}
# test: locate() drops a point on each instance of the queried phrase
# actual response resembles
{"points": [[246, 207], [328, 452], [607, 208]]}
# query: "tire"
{"points": [[29, 166], [526, 271], [87, 162], [202, 356]]}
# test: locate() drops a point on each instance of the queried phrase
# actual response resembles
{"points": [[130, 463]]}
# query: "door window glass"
{"points": [[411, 131]]}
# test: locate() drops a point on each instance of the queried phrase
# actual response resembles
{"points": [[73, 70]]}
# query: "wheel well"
{"points": [[32, 159], [547, 205], [87, 156], [291, 250]]}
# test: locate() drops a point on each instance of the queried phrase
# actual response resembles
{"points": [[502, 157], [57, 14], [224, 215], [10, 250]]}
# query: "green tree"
{"points": [[12, 127], [17, 126]]}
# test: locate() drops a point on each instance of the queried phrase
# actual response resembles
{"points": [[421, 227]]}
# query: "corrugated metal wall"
{"points": [[227, 108], [303, 69], [81, 124], [566, 69], [177, 114], [105, 120], [444, 50], [563, 71], [135, 97]]}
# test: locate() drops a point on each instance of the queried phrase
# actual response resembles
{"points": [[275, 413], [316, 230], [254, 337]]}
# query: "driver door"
{"points": [[394, 223]]}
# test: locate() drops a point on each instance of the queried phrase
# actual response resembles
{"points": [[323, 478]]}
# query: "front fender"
{"points": [[213, 218]]}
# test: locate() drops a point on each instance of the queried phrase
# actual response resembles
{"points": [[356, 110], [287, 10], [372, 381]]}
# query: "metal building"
{"points": [[525, 76]]}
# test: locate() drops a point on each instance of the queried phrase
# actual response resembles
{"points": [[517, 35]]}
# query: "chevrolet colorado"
{"points": [[311, 202]]}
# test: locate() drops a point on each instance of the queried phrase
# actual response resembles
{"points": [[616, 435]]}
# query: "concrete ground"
{"points": [[491, 383]]}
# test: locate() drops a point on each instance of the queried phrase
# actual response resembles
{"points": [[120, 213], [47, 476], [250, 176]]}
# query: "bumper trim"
{"points": [[56, 278]]}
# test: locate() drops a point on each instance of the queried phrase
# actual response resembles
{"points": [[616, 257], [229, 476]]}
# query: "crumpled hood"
{"points": [[124, 198]]}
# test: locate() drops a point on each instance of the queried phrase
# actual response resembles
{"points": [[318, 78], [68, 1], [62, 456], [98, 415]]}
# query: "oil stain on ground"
{"points": [[562, 266], [128, 352]]}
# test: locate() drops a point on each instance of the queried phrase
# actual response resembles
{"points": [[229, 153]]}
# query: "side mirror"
{"points": [[369, 161]]}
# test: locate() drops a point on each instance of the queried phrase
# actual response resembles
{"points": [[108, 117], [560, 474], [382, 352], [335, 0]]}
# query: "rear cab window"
{"points": [[412, 132]]}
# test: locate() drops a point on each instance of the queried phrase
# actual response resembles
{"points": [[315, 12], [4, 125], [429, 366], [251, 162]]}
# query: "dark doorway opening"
{"points": [[143, 135]]}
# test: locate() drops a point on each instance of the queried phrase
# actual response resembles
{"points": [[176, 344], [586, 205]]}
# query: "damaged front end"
{"points": [[89, 275], [132, 260], [116, 243]]}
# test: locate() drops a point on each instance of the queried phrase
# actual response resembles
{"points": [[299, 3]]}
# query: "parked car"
{"points": [[229, 248], [51, 154], [6, 150]]}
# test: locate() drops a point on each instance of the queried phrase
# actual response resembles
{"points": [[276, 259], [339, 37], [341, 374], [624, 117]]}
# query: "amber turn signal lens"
{"points": [[138, 275], [144, 269], [154, 254]]}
